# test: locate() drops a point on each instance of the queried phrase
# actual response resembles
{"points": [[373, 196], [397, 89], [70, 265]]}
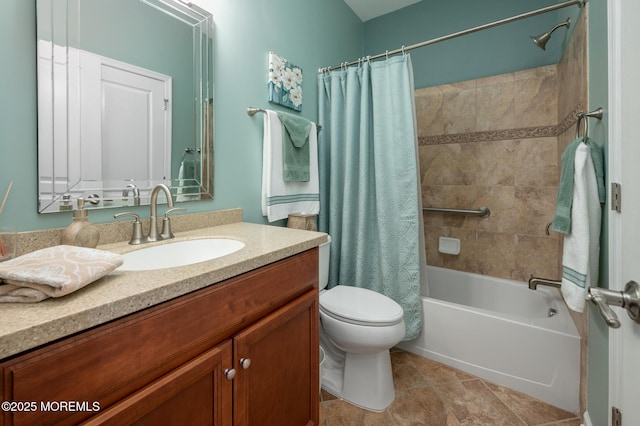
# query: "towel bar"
{"points": [[251, 111], [596, 113]]}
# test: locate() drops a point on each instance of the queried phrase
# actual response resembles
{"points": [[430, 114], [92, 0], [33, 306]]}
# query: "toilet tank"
{"points": [[323, 262]]}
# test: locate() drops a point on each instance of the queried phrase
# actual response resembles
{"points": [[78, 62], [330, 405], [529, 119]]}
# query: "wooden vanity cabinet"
{"points": [[279, 386], [240, 352]]}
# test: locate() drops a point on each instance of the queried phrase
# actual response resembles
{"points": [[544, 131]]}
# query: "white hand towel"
{"points": [[279, 198], [582, 246], [53, 272]]}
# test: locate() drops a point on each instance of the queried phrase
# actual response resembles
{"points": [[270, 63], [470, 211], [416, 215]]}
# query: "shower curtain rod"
{"points": [[403, 49]]}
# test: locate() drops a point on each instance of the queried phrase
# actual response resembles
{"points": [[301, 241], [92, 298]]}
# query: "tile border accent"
{"points": [[507, 134]]}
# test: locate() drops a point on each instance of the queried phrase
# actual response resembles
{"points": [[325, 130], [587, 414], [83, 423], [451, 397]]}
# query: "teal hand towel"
{"points": [[562, 217], [295, 149], [597, 155]]}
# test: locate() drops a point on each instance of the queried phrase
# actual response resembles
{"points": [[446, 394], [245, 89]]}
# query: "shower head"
{"points": [[542, 39]]}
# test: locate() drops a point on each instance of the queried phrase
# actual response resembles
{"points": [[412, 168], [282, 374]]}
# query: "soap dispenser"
{"points": [[81, 232]]}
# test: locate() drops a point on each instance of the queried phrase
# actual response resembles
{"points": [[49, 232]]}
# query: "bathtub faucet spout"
{"points": [[534, 282]]}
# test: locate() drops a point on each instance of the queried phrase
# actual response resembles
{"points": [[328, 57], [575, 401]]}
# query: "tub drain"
{"points": [[552, 312]]}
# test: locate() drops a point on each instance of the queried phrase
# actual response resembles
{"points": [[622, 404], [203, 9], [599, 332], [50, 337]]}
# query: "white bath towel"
{"points": [[582, 246], [279, 198]]}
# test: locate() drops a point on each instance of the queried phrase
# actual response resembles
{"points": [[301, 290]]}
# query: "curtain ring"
{"points": [[403, 52], [387, 55]]}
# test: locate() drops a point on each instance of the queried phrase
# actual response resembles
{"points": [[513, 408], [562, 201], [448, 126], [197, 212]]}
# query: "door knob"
{"points": [[245, 363], [229, 373], [629, 299]]}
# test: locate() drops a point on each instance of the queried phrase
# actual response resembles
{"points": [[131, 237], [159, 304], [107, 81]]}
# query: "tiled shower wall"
{"points": [[496, 142], [492, 143]]}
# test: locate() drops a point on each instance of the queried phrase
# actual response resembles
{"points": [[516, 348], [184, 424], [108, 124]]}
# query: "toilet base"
{"points": [[367, 381]]}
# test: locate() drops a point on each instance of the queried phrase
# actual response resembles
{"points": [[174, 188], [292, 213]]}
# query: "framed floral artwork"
{"points": [[285, 82]]}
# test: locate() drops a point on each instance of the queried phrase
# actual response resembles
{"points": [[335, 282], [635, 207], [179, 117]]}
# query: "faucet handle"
{"points": [[136, 234], [166, 222], [175, 209]]}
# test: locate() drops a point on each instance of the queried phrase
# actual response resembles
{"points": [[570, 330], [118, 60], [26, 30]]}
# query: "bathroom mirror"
{"points": [[125, 101]]}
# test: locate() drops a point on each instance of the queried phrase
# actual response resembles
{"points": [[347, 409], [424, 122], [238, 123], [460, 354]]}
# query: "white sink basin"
{"points": [[179, 253]]}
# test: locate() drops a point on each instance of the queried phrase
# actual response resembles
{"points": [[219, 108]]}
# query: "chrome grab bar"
{"points": [[629, 299], [482, 211]]}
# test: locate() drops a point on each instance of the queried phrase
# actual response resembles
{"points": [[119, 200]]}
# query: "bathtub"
{"points": [[501, 331]]}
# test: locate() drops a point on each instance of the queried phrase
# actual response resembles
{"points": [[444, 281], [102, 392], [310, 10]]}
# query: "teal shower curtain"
{"points": [[369, 190]]}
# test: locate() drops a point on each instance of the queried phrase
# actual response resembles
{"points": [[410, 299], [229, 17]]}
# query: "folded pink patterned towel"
{"points": [[53, 272]]}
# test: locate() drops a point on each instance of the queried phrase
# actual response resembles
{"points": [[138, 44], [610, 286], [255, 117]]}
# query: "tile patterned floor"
{"points": [[432, 394]]}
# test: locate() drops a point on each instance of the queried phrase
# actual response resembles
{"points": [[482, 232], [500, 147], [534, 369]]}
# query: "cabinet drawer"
{"points": [[111, 361]]}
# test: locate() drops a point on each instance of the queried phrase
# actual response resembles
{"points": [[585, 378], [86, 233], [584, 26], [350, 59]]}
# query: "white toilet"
{"points": [[357, 329]]}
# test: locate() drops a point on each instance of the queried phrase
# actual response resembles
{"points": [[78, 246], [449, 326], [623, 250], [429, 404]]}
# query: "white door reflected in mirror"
{"points": [[123, 105]]}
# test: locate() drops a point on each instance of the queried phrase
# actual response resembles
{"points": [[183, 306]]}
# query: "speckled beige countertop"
{"points": [[26, 326]]}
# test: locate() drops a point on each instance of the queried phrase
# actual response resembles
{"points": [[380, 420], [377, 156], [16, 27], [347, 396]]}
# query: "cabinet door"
{"points": [[197, 393], [279, 385]]}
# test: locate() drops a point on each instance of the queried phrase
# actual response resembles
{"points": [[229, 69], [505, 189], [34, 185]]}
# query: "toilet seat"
{"points": [[360, 306]]}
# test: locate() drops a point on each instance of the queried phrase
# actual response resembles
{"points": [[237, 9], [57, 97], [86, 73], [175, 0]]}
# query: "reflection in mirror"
{"points": [[125, 101]]}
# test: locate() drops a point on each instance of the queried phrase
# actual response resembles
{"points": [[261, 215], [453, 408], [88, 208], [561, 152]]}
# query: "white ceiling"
{"points": [[369, 9]]}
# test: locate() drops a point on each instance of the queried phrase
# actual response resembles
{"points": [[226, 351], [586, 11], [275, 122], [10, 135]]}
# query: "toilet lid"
{"points": [[360, 305]]}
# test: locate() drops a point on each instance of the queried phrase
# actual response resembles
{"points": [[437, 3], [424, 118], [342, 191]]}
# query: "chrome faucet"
{"points": [[534, 282], [136, 194], [154, 235]]}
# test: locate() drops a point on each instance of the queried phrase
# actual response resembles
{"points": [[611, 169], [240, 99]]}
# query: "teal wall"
{"points": [[502, 49], [598, 338], [245, 31]]}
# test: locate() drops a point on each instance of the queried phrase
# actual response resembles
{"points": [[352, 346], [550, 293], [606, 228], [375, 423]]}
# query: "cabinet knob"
{"points": [[245, 362], [230, 373]]}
